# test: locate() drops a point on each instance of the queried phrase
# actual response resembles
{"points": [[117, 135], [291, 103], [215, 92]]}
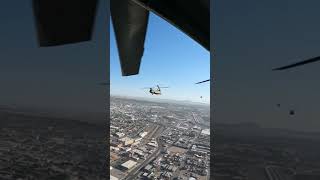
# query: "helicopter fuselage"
{"points": [[155, 91]]}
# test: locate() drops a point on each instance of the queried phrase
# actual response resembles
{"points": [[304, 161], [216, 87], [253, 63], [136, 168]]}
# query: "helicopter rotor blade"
{"points": [[203, 81], [311, 60]]}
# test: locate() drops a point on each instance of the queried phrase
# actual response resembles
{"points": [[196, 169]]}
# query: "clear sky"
{"points": [[171, 59], [251, 38]]}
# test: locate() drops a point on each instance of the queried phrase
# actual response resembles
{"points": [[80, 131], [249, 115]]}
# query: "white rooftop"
{"points": [[129, 164], [206, 131], [113, 178]]}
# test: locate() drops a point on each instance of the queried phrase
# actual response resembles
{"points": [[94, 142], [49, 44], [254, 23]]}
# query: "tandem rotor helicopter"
{"points": [[155, 90], [72, 21]]}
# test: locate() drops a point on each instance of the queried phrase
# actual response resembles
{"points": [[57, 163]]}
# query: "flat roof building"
{"points": [[127, 141], [205, 132], [113, 178], [129, 164], [143, 134]]}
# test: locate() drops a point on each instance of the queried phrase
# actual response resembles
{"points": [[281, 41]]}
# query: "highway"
{"points": [[134, 172], [195, 118]]}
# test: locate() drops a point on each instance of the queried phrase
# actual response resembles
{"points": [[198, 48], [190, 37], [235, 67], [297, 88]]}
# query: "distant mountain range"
{"points": [[253, 129], [94, 117], [185, 102]]}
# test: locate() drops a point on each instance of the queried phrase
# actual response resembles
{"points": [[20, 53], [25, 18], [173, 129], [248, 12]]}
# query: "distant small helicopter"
{"points": [[202, 82], [291, 112], [155, 90]]}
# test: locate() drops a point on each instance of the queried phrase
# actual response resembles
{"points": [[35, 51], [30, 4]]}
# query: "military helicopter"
{"points": [[202, 82], [72, 21], [292, 112], [155, 90]]}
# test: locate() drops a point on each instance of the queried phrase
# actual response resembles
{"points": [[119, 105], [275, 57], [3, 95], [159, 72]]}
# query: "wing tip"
{"points": [[126, 73], [62, 43]]}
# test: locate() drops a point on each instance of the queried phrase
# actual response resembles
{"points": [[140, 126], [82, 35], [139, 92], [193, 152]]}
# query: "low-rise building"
{"points": [[129, 164]]}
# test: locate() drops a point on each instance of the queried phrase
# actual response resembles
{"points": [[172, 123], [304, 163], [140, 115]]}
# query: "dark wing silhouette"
{"points": [[69, 21], [203, 81], [298, 63], [191, 17], [130, 20], [60, 22], [130, 26]]}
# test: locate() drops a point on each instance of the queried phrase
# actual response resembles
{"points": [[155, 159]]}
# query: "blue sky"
{"points": [[171, 59]]}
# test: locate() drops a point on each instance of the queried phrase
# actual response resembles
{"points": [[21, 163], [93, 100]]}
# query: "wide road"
{"points": [[134, 172]]}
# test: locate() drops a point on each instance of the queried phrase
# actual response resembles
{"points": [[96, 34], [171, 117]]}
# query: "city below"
{"points": [[44, 147], [159, 140]]}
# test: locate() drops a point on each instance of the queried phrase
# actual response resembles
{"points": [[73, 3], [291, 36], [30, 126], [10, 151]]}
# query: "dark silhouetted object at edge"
{"points": [[203, 81], [315, 59], [292, 112], [64, 21], [70, 21]]}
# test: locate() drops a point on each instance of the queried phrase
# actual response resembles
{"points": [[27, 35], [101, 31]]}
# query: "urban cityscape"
{"points": [[159, 140], [44, 147], [246, 151]]}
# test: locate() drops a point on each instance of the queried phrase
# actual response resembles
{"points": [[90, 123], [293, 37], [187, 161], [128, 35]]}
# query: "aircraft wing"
{"points": [[130, 21], [298, 63], [191, 17], [130, 26], [70, 21], [60, 22]]}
